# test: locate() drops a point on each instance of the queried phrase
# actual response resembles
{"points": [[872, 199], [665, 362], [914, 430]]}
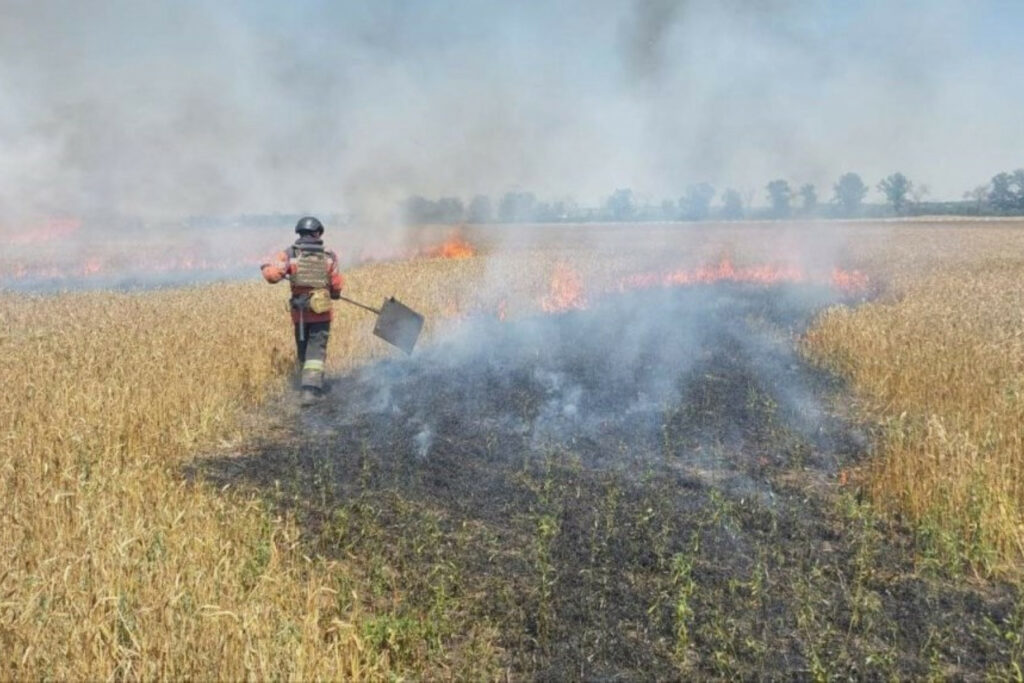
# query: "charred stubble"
{"points": [[645, 488]]}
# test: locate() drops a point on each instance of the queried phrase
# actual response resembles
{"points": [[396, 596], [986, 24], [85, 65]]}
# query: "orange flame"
{"points": [[48, 231], [566, 288], [123, 259], [565, 292], [453, 248], [849, 281]]}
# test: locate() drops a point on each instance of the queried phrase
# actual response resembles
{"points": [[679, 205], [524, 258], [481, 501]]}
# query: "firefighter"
{"points": [[315, 280]]}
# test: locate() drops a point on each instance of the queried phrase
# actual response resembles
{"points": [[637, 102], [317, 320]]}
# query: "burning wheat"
{"points": [[115, 566]]}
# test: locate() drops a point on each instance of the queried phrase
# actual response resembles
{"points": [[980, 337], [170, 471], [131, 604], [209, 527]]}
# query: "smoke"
{"points": [[701, 380], [645, 35], [172, 109]]}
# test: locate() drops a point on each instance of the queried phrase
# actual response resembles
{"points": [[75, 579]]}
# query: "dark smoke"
{"points": [[644, 36]]}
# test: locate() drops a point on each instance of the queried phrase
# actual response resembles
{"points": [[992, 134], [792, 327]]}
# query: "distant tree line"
{"points": [[1003, 195]]}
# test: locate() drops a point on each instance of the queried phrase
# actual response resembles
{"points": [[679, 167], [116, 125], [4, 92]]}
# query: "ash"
{"points": [[704, 380], [643, 490]]}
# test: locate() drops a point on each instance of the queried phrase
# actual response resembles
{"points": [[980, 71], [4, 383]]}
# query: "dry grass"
{"points": [[114, 565], [939, 366], [111, 565]]}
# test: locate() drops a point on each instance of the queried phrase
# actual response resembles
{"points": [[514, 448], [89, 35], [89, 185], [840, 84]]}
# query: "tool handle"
{"points": [[371, 309]]}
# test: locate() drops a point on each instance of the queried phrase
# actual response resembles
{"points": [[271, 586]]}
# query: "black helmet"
{"points": [[308, 225]]}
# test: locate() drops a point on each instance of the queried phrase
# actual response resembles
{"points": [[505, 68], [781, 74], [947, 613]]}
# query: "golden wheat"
{"points": [[112, 564], [939, 366]]}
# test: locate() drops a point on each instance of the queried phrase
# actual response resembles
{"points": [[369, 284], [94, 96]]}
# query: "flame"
{"points": [[112, 258], [48, 231], [453, 248], [92, 266], [565, 291], [849, 281]]}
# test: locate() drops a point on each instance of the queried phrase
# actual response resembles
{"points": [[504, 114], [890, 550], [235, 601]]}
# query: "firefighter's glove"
{"points": [[272, 273]]}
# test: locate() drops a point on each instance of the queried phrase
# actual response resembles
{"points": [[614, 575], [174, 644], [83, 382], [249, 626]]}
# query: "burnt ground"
{"points": [[649, 488]]}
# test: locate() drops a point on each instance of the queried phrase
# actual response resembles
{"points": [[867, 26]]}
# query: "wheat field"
{"points": [[114, 563], [937, 366]]}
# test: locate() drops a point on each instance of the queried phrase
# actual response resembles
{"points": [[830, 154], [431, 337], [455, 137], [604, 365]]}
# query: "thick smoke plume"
{"points": [[170, 109]]}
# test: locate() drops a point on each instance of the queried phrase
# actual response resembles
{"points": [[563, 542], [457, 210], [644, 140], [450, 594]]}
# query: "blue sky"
{"points": [[188, 107]]}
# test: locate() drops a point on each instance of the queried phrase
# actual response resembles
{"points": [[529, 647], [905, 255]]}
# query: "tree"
{"points": [[919, 192], [1001, 195], [564, 209], [809, 197], [669, 210], [621, 205], [450, 210], [419, 210], [517, 207], [779, 194], [849, 192], [979, 194], [695, 205], [748, 196], [732, 204], [895, 188], [1007, 193], [480, 209], [542, 213]]}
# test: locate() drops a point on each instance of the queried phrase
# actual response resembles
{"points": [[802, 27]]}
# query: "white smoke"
{"points": [[178, 108]]}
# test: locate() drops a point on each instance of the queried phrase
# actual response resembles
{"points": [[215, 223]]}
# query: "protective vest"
{"points": [[313, 275], [311, 267]]}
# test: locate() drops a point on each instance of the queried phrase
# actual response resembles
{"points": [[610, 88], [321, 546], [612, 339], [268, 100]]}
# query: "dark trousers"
{"points": [[311, 347]]}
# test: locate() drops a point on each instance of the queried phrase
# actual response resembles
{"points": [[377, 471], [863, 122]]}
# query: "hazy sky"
{"points": [[174, 108]]}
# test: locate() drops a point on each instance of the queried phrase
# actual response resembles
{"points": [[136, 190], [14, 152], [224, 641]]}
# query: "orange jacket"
{"points": [[281, 265]]}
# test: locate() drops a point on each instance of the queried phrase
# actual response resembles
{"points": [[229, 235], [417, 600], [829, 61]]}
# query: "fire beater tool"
{"points": [[397, 324]]}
